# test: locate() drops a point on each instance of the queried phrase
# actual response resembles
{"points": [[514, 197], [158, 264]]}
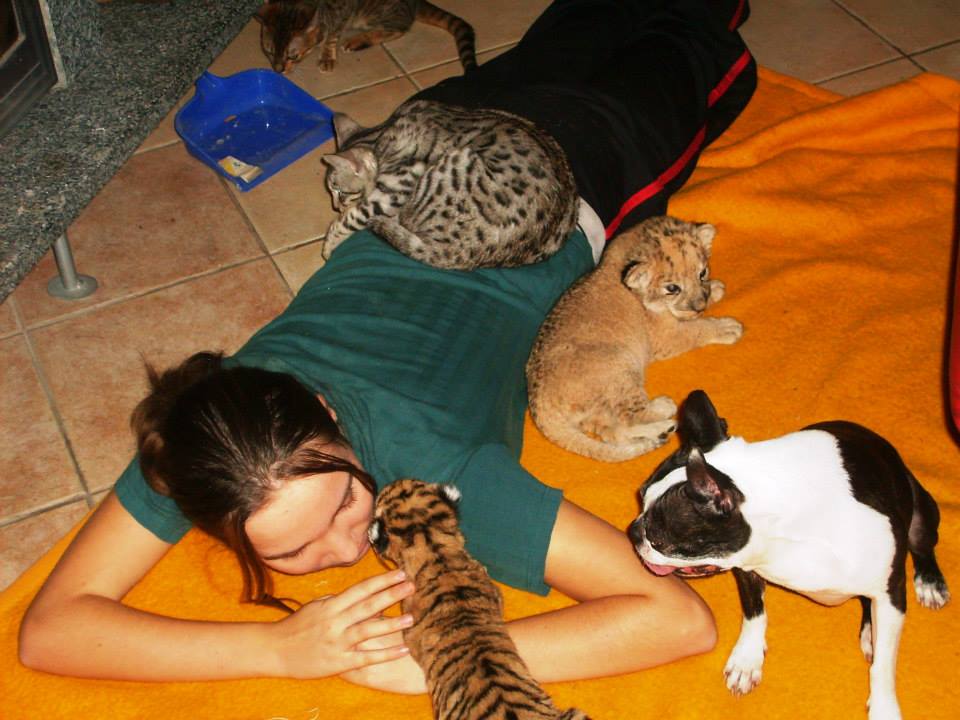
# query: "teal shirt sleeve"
{"points": [[157, 513], [507, 517]]}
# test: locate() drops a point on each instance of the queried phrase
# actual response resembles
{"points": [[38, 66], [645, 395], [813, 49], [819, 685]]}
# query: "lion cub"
{"points": [[642, 303]]}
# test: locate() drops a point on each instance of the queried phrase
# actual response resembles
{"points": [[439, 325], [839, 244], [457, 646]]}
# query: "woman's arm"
{"points": [[77, 625], [626, 619]]}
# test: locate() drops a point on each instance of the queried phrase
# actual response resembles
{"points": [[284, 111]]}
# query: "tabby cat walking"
{"points": [[458, 637], [451, 187], [290, 29]]}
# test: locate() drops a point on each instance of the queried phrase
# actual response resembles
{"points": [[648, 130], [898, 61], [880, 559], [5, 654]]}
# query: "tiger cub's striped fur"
{"points": [[458, 637]]}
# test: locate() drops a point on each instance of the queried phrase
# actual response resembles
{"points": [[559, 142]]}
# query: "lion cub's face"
{"points": [[668, 268], [409, 509]]}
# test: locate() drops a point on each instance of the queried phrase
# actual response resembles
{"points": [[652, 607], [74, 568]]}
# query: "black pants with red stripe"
{"points": [[632, 90]]}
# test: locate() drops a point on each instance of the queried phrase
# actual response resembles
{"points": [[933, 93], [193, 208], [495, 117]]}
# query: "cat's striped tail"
{"points": [[461, 30]]}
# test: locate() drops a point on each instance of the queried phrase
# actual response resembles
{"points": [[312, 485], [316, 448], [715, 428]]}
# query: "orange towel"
{"points": [[836, 227]]}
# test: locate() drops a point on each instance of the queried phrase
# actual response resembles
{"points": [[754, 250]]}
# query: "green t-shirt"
{"points": [[425, 369]]}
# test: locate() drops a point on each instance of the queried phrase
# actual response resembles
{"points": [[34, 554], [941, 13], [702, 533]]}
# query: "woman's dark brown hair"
{"points": [[217, 440]]}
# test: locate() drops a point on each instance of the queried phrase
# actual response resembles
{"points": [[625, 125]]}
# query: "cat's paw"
{"points": [[331, 241], [326, 64], [726, 331], [717, 290], [356, 44], [649, 435], [660, 408]]}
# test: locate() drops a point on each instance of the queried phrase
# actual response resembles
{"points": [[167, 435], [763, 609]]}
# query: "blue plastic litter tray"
{"points": [[251, 125]]}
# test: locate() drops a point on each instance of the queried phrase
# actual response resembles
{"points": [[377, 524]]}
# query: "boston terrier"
{"points": [[830, 511]]}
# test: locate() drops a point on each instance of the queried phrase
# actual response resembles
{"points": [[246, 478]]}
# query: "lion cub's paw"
{"points": [[726, 331], [717, 289], [647, 436], [661, 407]]}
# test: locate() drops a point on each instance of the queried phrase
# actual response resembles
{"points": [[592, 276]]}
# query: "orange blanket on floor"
{"points": [[836, 222]]}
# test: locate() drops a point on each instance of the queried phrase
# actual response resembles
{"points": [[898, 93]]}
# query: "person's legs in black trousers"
{"points": [[632, 91]]}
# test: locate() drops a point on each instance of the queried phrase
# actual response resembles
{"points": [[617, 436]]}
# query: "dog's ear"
{"points": [[710, 488], [699, 424]]}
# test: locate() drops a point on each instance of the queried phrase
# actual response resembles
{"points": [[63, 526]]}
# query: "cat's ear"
{"points": [[345, 127], [705, 234], [264, 13], [314, 26], [355, 161], [637, 276]]}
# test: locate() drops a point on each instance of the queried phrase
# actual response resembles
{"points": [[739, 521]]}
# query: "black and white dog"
{"points": [[830, 512]]}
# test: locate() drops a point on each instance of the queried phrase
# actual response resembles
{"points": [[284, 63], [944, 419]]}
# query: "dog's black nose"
{"points": [[635, 532]]}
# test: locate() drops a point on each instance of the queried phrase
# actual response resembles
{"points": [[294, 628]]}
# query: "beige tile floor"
{"points": [[186, 263]]}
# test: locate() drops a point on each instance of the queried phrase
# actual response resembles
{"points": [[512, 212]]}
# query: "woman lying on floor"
{"points": [[412, 371]]}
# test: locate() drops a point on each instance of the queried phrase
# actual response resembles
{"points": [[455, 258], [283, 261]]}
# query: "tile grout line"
{"points": [[85, 495], [904, 53], [913, 56], [256, 233], [869, 27], [355, 88], [136, 295], [57, 416], [48, 507], [849, 73]]}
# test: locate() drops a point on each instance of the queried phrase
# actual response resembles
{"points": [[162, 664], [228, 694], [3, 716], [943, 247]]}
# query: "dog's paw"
{"points": [[883, 707], [741, 680], [866, 642], [932, 594], [744, 667]]}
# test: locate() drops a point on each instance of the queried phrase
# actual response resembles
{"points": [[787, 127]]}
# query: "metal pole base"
{"points": [[69, 284], [85, 285]]}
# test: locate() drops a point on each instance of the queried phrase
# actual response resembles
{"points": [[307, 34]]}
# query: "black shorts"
{"points": [[632, 90]]}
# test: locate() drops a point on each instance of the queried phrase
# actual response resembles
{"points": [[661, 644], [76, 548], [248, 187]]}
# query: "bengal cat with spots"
{"points": [[291, 29], [452, 187]]}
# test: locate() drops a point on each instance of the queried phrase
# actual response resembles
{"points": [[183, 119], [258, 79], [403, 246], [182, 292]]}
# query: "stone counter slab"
{"points": [[73, 141]]}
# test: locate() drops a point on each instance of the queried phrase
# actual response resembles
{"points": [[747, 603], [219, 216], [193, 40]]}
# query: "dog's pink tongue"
{"points": [[659, 569]]}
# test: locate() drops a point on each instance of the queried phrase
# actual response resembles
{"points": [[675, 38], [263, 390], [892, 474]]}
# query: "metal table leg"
{"points": [[68, 284]]}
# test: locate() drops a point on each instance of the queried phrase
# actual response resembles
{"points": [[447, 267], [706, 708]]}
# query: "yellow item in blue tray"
{"points": [[251, 125]]}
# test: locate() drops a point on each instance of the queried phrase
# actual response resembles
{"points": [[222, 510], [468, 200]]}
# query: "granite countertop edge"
{"points": [[51, 169]]}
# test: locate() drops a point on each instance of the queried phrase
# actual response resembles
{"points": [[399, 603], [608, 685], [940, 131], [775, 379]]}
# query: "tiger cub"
{"points": [[452, 187], [458, 637], [643, 302]]}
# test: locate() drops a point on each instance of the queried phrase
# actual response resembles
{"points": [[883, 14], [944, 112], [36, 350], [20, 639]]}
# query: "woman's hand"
{"points": [[326, 637], [400, 676]]}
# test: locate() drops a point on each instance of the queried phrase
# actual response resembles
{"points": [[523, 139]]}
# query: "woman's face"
{"points": [[314, 522]]}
